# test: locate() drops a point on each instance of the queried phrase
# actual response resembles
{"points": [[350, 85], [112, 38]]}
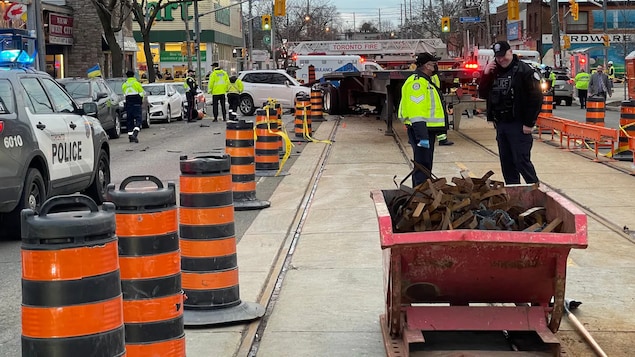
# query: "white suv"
{"points": [[260, 85]]}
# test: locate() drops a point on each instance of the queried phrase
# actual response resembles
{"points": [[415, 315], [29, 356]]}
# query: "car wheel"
{"points": [[168, 118], [330, 100], [33, 195], [247, 105], [115, 132], [146, 121], [97, 189]]}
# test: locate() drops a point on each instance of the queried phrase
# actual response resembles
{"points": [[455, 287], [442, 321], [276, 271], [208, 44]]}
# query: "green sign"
{"points": [[175, 56], [266, 39]]}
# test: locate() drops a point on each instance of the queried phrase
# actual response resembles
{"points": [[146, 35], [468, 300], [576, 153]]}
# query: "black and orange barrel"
{"points": [[595, 110], [266, 140], [317, 105], [208, 244], [71, 289], [311, 73], [627, 129], [239, 145], [150, 263], [547, 105], [302, 122]]}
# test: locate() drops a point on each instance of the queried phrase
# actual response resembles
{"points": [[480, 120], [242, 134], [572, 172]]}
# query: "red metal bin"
{"points": [[451, 271]]}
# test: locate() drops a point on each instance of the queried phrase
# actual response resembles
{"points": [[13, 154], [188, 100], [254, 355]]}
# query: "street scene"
{"points": [[308, 178]]}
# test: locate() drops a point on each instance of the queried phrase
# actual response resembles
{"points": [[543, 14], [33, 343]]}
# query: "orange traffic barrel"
{"points": [[547, 105], [311, 73], [71, 290], [317, 105], [239, 145], [595, 110], [627, 129], [209, 264], [150, 263], [302, 122], [267, 159]]}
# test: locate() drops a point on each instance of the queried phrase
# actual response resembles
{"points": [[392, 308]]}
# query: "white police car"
{"points": [[48, 144]]}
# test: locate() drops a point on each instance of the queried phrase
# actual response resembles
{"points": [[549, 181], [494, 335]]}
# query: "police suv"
{"points": [[49, 145]]}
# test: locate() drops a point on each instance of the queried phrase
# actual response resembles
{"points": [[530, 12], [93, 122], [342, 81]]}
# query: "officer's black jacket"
{"points": [[527, 94]]}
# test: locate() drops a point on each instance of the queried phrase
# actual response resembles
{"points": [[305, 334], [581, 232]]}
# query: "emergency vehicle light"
{"points": [[15, 57], [471, 65]]}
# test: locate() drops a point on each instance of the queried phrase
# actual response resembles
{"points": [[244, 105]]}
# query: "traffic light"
{"points": [[513, 12], [279, 7], [266, 22], [605, 40], [184, 49], [574, 10], [445, 24], [567, 42]]}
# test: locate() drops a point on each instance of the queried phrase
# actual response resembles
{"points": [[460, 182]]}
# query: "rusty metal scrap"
{"points": [[465, 203]]}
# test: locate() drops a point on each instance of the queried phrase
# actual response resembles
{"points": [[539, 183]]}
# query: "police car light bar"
{"points": [[13, 58]]}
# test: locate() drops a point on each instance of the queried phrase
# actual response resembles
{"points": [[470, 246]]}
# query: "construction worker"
{"points": [[552, 77], [582, 84], [442, 137], [217, 87], [133, 92], [610, 71], [190, 93], [422, 110], [234, 88], [512, 90]]}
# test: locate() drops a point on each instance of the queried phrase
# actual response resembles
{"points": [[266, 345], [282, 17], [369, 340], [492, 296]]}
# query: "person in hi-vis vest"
{"points": [[217, 87], [422, 110]]}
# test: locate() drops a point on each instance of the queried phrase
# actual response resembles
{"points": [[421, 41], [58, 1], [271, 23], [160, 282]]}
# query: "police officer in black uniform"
{"points": [[190, 93], [514, 99]]}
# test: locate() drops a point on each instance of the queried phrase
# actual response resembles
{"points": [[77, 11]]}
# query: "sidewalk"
{"points": [[330, 299]]}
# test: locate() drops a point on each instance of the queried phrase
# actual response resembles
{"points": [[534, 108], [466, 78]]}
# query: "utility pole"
{"points": [[488, 24], [187, 41], [606, 49], [251, 36], [555, 34], [273, 46], [197, 31]]}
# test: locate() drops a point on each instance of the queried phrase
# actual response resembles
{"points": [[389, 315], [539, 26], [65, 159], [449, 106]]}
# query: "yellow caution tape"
{"points": [[305, 131], [282, 134]]}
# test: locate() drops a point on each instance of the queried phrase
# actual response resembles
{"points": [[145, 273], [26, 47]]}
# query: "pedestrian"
{"points": [[599, 84], [191, 89], [610, 71], [582, 84], [217, 87], [234, 88], [443, 136], [422, 110], [133, 92], [511, 88]]}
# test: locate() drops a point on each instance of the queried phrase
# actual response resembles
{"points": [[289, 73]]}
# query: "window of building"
{"points": [[582, 25], [616, 19]]}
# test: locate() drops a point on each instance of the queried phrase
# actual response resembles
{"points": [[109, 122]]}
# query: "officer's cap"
{"points": [[425, 57], [500, 48], [215, 64]]}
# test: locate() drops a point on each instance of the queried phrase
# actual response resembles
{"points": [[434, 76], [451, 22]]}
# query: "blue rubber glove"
{"points": [[424, 144]]}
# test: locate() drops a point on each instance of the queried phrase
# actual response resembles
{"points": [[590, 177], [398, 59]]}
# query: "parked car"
{"points": [[260, 85], [52, 145], [165, 101], [563, 88], [85, 90], [115, 85]]}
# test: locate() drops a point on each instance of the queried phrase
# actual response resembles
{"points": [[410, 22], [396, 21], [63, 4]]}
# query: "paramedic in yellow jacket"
{"points": [[422, 110], [217, 87]]}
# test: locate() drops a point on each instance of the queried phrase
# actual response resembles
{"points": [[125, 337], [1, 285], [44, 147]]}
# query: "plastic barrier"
{"points": [[424, 271], [239, 144], [311, 73], [595, 111], [150, 261], [71, 290], [208, 244], [547, 105], [267, 158], [302, 121], [627, 129], [317, 105]]}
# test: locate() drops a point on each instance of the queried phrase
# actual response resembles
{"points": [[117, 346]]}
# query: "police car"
{"points": [[49, 145]]}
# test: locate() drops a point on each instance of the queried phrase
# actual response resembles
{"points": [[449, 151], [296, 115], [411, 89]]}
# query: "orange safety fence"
{"points": [[599, 136]]}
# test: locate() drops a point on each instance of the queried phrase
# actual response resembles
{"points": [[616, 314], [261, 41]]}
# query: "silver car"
{"points": [[563, 88]]}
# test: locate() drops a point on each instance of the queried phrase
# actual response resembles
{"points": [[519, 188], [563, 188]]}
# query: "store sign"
{"points": [[592, 38], [514, 31], [168, 12], [176, 56], [60, 29]]}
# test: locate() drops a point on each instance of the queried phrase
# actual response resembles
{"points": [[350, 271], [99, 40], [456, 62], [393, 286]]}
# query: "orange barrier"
{"points": [[547, 105], [150, 262], [317, 105], [631, 146], [267, 158], [311, 73], [627, 124], [302, 118], [208, 244], [71, 290], [595, 111], [239, 144], [551, 123]]}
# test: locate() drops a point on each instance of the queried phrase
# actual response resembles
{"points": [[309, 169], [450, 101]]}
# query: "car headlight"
{"points": [[156, 103]]}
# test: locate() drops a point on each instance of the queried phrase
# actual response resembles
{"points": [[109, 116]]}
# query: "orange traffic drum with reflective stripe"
{"points": [[71, 288], [595, 110], [267, 157]]}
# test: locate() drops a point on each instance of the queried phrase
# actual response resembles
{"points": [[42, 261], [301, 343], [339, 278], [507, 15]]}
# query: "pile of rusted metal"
{"points": [[466, 203]]}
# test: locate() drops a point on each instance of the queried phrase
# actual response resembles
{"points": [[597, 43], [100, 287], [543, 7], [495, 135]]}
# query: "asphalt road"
{"points": [[156, 154]]}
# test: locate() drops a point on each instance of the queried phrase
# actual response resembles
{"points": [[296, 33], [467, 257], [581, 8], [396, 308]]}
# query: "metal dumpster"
{"points": [[477, 280]]}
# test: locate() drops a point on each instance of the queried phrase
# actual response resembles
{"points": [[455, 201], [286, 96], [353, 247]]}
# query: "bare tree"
{"points": [[304, 21], [112, 15]]}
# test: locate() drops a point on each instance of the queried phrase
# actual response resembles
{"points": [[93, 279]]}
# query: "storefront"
{"points": [[58, 33]]}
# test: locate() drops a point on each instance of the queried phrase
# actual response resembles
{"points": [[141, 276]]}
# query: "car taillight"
{"points": [[1, 126]]}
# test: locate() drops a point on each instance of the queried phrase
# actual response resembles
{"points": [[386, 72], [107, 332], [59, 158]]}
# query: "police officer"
{"points": [[582, 84], [134, 93], [190, 93], [217, 87], [512, 90], [422, 110], [234, 88], [442, 137]]}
